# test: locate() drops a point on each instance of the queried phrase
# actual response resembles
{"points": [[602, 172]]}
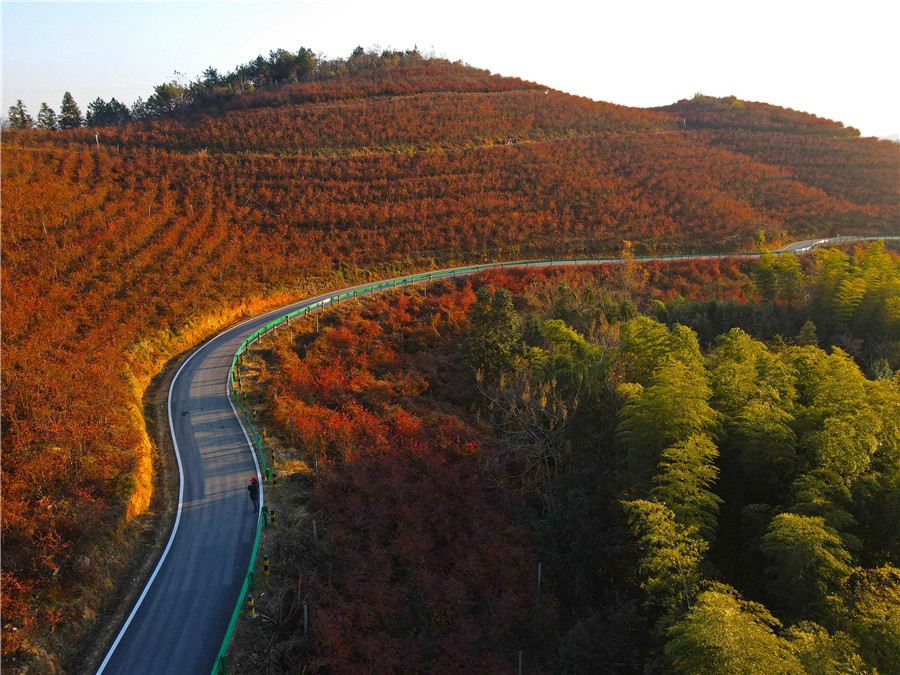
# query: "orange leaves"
{"points": [[428, 570], [111, 255]]}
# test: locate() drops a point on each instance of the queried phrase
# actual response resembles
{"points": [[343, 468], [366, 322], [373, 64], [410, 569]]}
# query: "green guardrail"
{"points": [[220, 665]]}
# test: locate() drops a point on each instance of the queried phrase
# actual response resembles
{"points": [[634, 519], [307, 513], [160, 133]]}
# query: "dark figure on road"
{"points": [[253, 489]]}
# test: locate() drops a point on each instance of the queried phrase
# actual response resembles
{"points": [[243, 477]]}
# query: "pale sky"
{"points": [[837, 60]]}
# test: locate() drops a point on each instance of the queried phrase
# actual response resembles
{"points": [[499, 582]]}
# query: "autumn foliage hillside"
{"points": [[716, 501], [123, 246]]}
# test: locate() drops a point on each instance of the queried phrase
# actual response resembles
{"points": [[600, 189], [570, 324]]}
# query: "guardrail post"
{"points": [[272, 521], [251, 609], [265, 565], [265, 516]]}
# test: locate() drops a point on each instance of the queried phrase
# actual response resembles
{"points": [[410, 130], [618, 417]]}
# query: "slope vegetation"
{"points": [[121, 250]]}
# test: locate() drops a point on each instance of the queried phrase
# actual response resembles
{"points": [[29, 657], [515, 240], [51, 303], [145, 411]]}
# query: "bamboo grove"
{"points": [[702, 504]]}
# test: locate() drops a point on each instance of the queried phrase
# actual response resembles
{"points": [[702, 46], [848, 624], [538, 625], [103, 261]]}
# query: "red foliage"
{"points": [[429, 570], [106, 250], [429, 566]]}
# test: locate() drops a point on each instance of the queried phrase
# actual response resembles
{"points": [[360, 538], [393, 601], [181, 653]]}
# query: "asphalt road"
{"points": [[178, 622]]}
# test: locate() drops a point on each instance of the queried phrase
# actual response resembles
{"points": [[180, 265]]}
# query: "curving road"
{"points": [[178, 623]]}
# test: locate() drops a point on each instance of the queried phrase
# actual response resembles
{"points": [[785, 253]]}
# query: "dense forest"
{"points": [[126, 243], [716, 500]]}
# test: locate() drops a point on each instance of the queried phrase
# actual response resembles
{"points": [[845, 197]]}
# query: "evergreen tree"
{"points": [[743, 369], [841, 433], [807, 560], [807, 335], [119, 112], [779, 277], [756, 393], [674, 407], [646, 344], [97, 114], [671, 555], [19, 117], [867, 606], [69, 113], [877, 499], [100, 113], [494, 342], [683, 480], [47, 118], [821, 653], [724, 634], [139, 110]]}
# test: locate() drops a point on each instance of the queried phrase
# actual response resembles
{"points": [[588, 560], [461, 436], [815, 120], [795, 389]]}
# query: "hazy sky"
{"points": [[837, 60]]}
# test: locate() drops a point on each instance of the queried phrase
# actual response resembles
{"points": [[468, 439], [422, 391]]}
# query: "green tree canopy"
{"points": [[69, 113], [101, 113], [672, 408], [807, 560], [494, 341], [858, 294], [840, 432], [867, 606], [578, 365], [779, 277], [646, 344], [684, 480], [821, 653], [19, 117], [724, 635], [671, 555], [877, 498], [47, 118], [743, 370]]}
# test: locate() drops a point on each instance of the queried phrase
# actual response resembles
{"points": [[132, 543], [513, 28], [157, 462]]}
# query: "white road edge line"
{"points": [[162, 558], [165, 553], [234, 412]]}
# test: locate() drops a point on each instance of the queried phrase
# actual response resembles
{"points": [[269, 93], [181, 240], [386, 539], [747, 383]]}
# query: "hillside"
{"points": [[119, 255], [682, 446]]}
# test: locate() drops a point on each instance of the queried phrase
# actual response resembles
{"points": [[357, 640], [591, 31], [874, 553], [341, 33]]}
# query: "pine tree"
{"points": [[19, 117], [47, 118], [494, 339], [69, 113], [98, 113]]}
